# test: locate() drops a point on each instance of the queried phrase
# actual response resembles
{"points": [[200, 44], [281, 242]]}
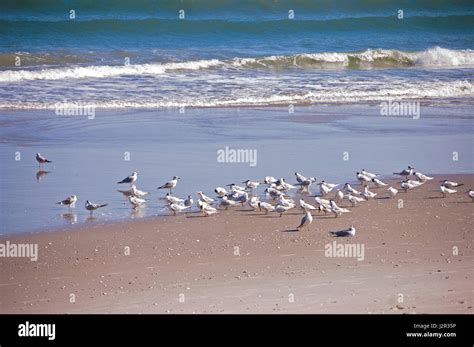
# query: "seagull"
{"points": [[339, 195], [273, 192], [220, 192], [235, 187], [205, 198], [41, 160], [306, 220], [367, 194], [251, 184], [354, 200], [225, 202], [338, 210], [406, 172], [189, 201], [300, 178], [304, 205], [281, 209], [306, 183], [325, 208], [422, 177], [130, 179], [470, 192], [266, 206], [368, 174], [253, 202], [138, 193], [363, 178], [343, 233], [243, 198], [445, 190], [173, 199], [450, 184], [324, 189], [407, 185], [175, 208], [90, 206], [331, 186], [321, 201], [286, 202], [351, 190], [392, 191], [283, 185], [207, 210], [170, 184], [136, 202], [70, 201], [269, 180], [378, 183]]}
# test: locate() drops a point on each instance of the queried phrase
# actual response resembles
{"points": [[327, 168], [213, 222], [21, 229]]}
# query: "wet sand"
{"points": [[190, 264]]}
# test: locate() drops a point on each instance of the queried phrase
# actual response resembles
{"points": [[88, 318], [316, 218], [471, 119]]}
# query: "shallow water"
{"points": [[88, 154]]}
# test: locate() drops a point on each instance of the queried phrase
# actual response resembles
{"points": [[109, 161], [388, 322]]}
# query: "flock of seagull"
{"points": [[277, 195]]}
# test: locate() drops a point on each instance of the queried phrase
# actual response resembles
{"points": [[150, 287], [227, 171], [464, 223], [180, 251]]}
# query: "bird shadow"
{"points": [[290, 230], [196, 216], [436, 197], [383, 198]]}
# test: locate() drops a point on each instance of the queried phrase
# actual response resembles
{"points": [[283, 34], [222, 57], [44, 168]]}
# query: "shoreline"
{"points": [[150, 218], [194, 258]]}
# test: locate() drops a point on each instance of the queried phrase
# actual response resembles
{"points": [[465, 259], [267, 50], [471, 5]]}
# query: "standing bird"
{"points": [[189, 201], [300, 178], [90, 206], [220, 192], [337, 210], [266, 206], [392, 191], [406, 172], [136, 202], [470, 193], [367, 194], [363, 179], [41, 160], [451, 184], [281, 209], [445, 190], [351, 190], [422, 177], [378, 183], [130, 179], [170, 184], [368, 174], [306, 220], [304, 205], [70, 201], [205, 198], [136, 192], [343, 233], [339, 195], [251, 185]]}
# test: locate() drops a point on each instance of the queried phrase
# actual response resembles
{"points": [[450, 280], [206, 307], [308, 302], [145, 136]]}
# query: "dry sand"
{"points": [[188, 263]]}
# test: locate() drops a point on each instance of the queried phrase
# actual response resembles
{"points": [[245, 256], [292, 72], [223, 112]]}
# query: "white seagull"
{"points": [[173, 199], [41, 159], [266, 206], [451, 184], [339, 195], [175, 208], [281, 209], [90, 206], [363, 178], [338, 210], [136, 192], [189, 201], [304, 205], [205, 198], [378, 183], [343, 233], [70, 201], [130, 179], [251, 184], [253, 202], [406, 172], [367, 194], [306, 220], [269, 180], [354, 200], [392, 191], [368, 174], [136, 202], [300, 178], [208, 210], [445, 190], [331, 186], [220, 192], [351, 190], [422, 177], [170, 184], [470, 193]]}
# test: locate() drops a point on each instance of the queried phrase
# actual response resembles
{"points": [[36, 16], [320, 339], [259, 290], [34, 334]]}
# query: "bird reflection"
{"points": [[136, 213], [70, 217], [41, 174], [125, 193], [91, 219]]}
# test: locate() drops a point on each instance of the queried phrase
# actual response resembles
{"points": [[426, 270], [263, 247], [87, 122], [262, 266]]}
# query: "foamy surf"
{"points": [[370, 58]]}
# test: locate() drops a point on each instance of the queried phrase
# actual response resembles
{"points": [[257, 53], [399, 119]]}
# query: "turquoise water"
{"points": [[233, 53]]}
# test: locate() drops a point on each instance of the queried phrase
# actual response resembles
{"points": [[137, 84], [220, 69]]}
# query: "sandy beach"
{"points": [[418, 259]]}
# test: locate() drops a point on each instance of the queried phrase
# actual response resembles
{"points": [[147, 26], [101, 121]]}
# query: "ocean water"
{"points": [[233, 53], [236, 66]]}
